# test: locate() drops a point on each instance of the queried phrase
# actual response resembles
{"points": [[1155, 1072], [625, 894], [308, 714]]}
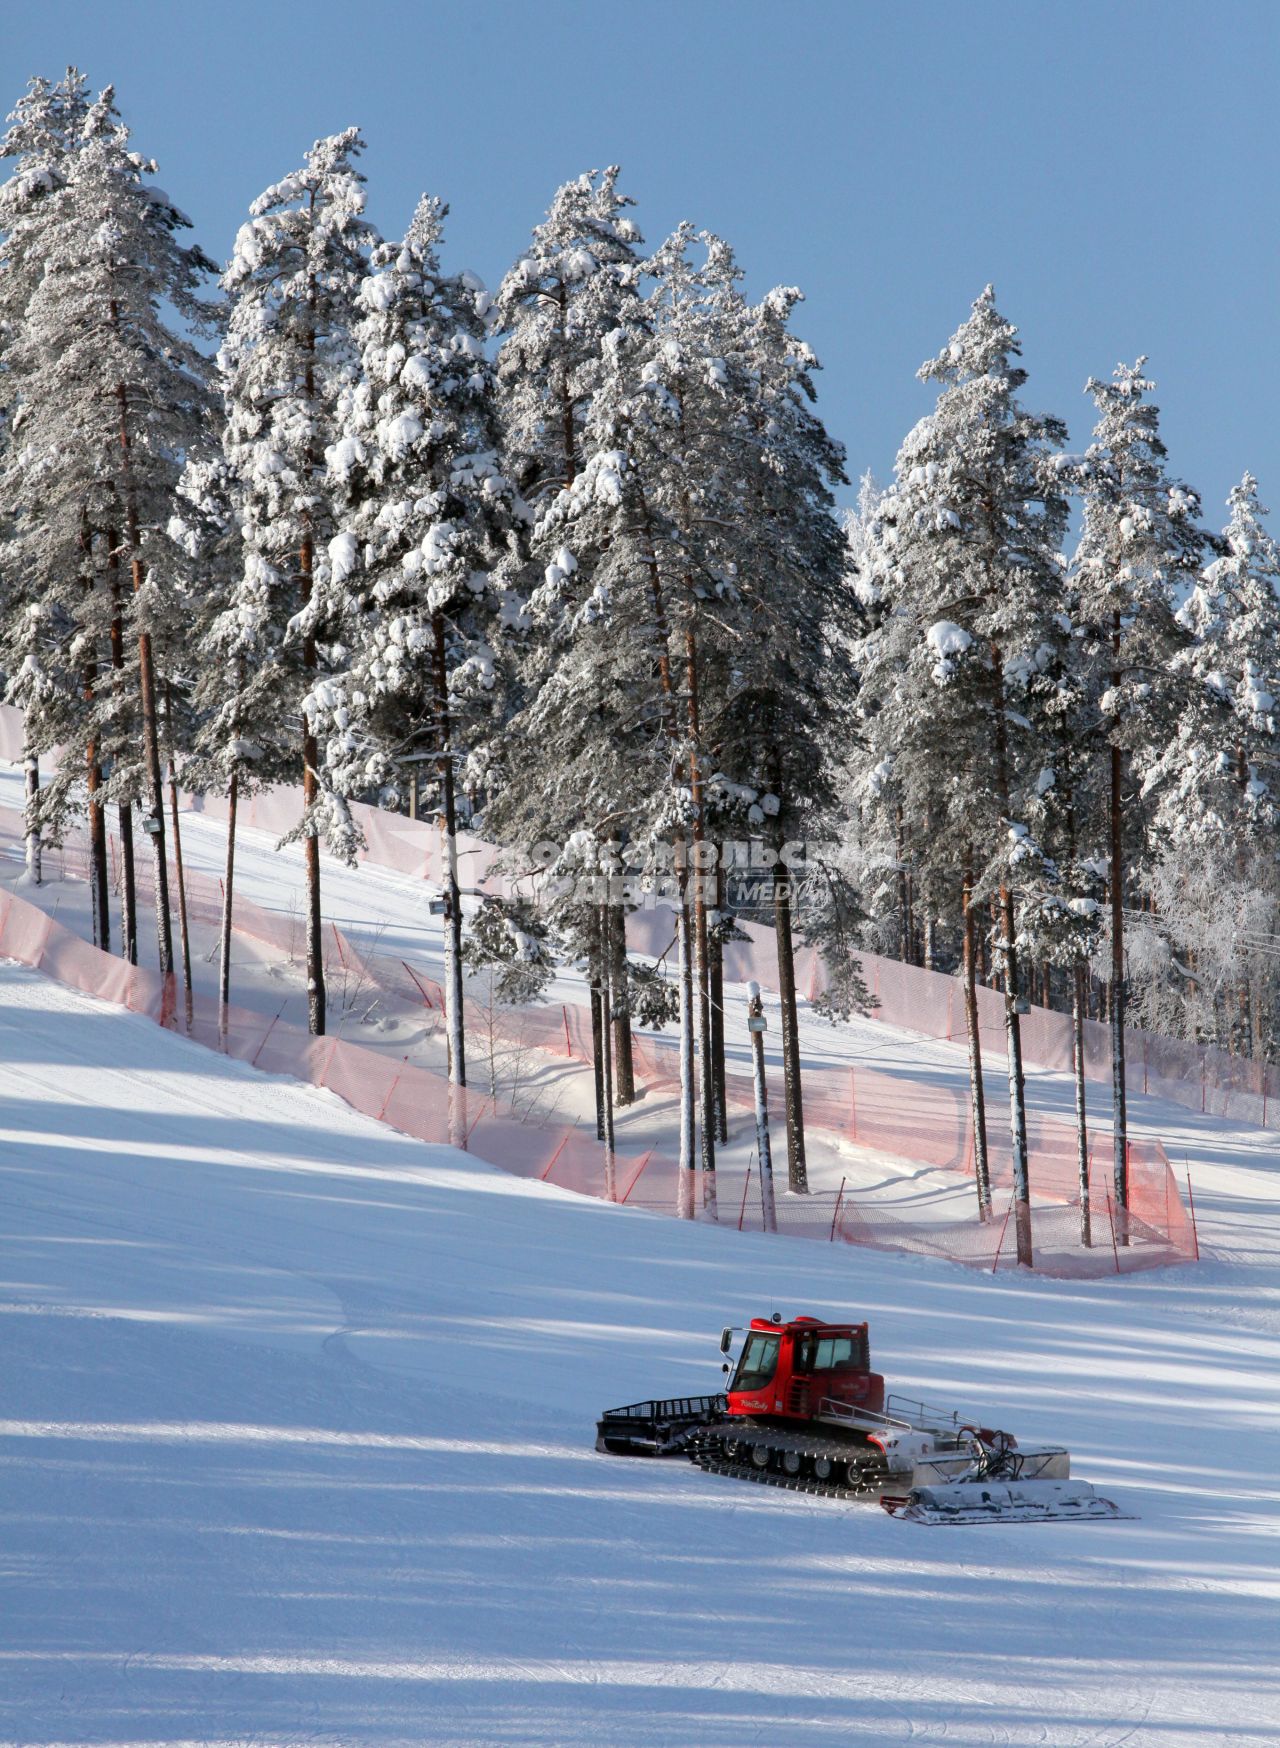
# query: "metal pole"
{"points": [[756, 1027], [742, 1211], [835, 1213]]}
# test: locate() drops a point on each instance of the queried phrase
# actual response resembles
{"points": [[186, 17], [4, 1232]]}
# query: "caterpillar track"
{"points": [[834, 1468]]}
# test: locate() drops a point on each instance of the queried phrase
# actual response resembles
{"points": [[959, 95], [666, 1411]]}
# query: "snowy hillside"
{"points": [[297, 1448]]}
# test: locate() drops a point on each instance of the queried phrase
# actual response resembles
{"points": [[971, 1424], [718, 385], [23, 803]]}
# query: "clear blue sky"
{"points": [[1112, 167]]}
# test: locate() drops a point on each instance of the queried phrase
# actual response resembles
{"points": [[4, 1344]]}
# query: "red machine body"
{"points": [[786, 1371]]}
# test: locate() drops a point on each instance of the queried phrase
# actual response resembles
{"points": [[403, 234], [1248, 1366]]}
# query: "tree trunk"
{"points": [[1012, 1022], [128, 881], [904, 891], [31, 766], [977, 1091], [1082, 1132], [184, 932], [797, 1167], [717, 1017], [685, 979], [99, 881], [224, 968], [764, 1150], [128, 886], [597, 1041], [453, 1000], [702, 966], [316, 1003], [1119, 1114], [1017, 1082], [625, 1075], [606, 1036]]}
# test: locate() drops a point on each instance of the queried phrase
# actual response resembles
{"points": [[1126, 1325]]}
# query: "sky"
{"points": [[1111, 167]]}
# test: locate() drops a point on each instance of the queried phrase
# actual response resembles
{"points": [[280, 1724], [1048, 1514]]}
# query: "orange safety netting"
{"points": [[902, 1115]]}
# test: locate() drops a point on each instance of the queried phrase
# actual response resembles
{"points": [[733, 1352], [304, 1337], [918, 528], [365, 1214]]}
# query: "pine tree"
{"points": [[44, 128], [1140, 552], [293, 282], [965, 663], [111, 395], [562, 310], [429, 525]]}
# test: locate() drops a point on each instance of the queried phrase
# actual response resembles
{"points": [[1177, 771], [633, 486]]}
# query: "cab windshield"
{"points": [[758, 1363]]}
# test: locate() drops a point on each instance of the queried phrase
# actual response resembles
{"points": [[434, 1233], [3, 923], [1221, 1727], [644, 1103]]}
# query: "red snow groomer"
{"points": [[803, 1409]]}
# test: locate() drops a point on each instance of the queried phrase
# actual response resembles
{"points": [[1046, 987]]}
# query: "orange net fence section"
{"points": [[911, 1119]]}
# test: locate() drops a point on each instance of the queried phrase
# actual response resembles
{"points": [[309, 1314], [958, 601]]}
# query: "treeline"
{"points": [[564, 564]]}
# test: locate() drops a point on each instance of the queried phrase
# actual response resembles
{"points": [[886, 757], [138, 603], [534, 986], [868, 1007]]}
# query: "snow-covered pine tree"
{"points": [[205, 571], [1212, 785], [560, 309], [786, 716], [293, 283], [556, 309], [112, 396], [429, 523], [1140, 553], [44, 128], [966, 662]]}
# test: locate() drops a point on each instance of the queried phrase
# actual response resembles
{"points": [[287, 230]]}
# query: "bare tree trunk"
{"points": [[316, 1004], [625, 1074], [184, 932], [1017, 1082], [597, 1039], [224, 968], [1082, 1132], [449, 862], [1012, 1022], [702, 967], [717, 1016], [128, 881], [764, 1150], [977, 1091], [797, 1166], [31, 766], [904, 891], [1119, 1114], [685, 981], [99, 882], [606, 1036]]}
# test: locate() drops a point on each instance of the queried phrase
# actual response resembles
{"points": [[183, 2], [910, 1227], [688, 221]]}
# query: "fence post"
{"points": [[394, 1084], [1112, 1222], [265, 1036], [564, 1142], [636, 1179], [1191, 1201], [1004, 1227], [742, 1211], [564, 1014], [836, 1212], [337, 938]]}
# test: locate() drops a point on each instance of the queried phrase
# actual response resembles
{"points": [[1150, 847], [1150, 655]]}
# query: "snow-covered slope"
{"points": [[296, 1447]]}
